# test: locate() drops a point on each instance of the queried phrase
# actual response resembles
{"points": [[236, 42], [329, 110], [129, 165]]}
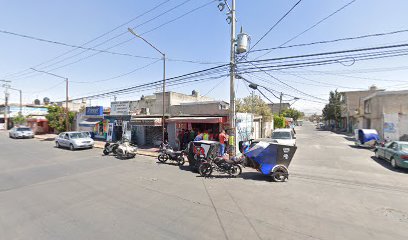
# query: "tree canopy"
{"points": [[254, 104], [292, 113], [332, 110], [56, 118]]}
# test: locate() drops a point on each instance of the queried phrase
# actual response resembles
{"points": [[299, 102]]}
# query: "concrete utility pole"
{"points": [[280, 103], [232, 81], [66, 96], [6, 86], [164, 76]]}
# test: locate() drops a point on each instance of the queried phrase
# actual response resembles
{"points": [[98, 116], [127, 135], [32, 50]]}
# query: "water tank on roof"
{"points": [[46, 101], [37, 102]]}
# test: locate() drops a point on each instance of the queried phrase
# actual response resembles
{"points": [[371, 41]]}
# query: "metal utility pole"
{"points": [[21, 99], [164, 76], [66, 96], [232, 80], [280, 103]]}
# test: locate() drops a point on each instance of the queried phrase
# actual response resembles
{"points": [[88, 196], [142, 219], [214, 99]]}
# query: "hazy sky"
{"points": [[200, 36]]}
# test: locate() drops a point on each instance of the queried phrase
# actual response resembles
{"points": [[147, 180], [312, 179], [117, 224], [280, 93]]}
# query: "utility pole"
{"points": [[232, 81], [164, 76], [66, 96], [66, 106], [6, 86], [280, 103]]}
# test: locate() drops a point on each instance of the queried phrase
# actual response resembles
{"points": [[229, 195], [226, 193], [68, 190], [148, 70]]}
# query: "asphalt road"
{"points": [[335, 191]]}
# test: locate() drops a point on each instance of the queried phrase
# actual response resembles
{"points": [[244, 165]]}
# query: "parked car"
{"points": [[395, 152], [74, 140], [284, 136], [21, 132]]}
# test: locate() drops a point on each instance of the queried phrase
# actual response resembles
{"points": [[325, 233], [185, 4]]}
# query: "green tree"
{"points": [[332, 110], [56, 118], [19, 119], [254, 104], [278, 121], [292, 113]]}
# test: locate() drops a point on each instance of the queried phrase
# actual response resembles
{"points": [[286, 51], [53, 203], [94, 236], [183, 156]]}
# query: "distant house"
{"points": [[352, 109], [276, 106], [387, 112]]}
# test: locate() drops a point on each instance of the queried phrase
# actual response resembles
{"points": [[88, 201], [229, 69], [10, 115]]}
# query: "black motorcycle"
{"points": [[167, 153], [110, 148], [230, 167]]}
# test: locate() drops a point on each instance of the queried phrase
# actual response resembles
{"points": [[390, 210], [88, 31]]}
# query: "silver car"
{"points": [[74, 140], [21, 132]]}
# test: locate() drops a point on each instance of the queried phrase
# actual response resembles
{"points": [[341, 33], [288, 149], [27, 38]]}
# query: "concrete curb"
{"points": [[101, 146]]}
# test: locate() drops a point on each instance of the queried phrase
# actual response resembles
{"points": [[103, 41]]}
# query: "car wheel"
{"points": [[393, 163], [377, 155], [71, 147], [57, 144]]}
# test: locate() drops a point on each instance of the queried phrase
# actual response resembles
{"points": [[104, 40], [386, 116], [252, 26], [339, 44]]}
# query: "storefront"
{"points": [[181, 130], [39, 125], [92, 122], [115, 127], [146, 131]]}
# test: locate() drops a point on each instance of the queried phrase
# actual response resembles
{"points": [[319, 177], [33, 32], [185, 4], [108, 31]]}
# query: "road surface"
{"points": [[335, 191]]}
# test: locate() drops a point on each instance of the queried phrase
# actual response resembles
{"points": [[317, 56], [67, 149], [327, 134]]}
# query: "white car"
{"points": [[21, 132], [74, 140], [284, 136]]}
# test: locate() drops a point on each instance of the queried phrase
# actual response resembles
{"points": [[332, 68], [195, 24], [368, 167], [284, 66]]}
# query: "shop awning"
{"points": [[89, 122], [146, 121], [196, 119]]}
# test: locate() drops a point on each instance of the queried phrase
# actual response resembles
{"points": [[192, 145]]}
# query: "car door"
{"points": [[390, 150]]}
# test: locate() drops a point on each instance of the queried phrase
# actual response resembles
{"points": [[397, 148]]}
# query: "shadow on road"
{"points": [[388, 166], [349, 138], [47, 139], [256, 176]]}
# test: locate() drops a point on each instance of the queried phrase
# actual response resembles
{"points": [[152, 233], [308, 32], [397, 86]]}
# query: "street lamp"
{"points": [[66, 95], [164, 73]]}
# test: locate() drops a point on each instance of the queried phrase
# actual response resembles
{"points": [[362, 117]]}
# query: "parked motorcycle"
{"points": [[110, 148], [167, 153], [126, 150], [223, 165]]}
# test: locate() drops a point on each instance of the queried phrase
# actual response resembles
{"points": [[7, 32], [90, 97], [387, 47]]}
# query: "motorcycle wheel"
{"points": [[235, 170], [162, 158], [205, 169], [105, 152], [180, 161], [115, 150]]}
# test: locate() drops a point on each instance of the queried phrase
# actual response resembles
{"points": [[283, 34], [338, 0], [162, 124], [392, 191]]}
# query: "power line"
{"points": [[311, 27], [100, 36], [273, 26], [334, 40], [204, 72], [102, 43]]}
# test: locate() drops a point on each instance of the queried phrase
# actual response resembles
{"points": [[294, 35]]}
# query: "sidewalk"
{"points": [[151, 152]]}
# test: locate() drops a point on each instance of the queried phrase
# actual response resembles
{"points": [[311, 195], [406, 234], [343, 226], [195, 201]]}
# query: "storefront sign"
{"points": [[147, 121], [119, 108], [94, 111]]}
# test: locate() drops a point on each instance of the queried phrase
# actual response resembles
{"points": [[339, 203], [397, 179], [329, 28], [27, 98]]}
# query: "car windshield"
{"points": [[23, 129], [77, 135], [281, 135], [404, 147]]}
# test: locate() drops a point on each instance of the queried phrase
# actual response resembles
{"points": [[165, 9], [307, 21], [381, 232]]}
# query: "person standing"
{"points": [[223, 137]]}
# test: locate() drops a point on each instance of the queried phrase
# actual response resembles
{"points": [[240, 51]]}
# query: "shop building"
{"points": [[387, 112], [35, 115], [92, 121]]}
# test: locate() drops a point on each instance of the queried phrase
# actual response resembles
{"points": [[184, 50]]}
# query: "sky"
{"points": [[201, 36]]}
